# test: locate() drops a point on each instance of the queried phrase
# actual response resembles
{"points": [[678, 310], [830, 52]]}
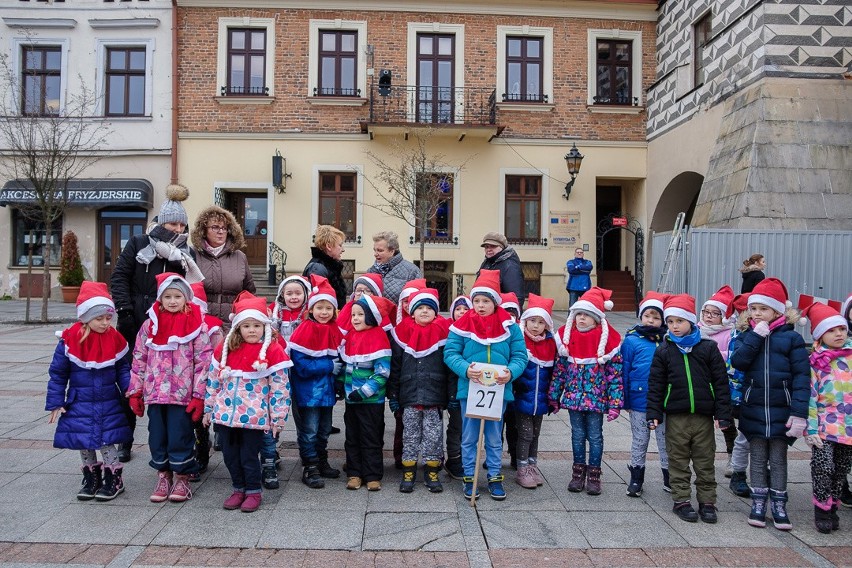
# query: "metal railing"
{"points": [[407, 104], [235, 91], [532, 241], [616, 100], [277, 260], [333, 92]]}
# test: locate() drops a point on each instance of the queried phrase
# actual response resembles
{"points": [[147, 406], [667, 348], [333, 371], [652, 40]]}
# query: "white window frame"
{"points": [[18, 65], [546, 34], [544, 174], [358, 170], [101, 46], [411, 60], [636, 72], [222, 52], [315, 26], [455, 221]]}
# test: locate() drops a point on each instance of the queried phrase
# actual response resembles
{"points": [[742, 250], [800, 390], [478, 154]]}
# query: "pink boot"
{"points": [[251, 503], [526, 477], [164, 486], [234, 501]]}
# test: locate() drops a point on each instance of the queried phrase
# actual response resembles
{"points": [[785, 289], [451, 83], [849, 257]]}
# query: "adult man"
{"points": [[579, 280], [500, 256]]}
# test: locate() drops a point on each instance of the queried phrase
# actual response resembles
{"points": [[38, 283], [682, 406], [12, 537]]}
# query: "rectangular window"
{"points": [[21, 227], [614, 71], [523, 209], [701, 35], [435, 205], [338, 64], [246, 62], [338, 202], [41, 76], [524, 69], [125, 81], [435, 78]]}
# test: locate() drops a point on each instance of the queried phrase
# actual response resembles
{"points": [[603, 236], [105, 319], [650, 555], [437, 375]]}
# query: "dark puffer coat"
{"points": [[91, 399], [776, 382], [323, 265], [419, 380], [531, 388], [508, 263]]}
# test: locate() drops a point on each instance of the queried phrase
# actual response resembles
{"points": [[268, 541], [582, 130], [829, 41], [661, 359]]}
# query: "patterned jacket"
{"points": [[588, 387], [370, 377], [830, 406]]}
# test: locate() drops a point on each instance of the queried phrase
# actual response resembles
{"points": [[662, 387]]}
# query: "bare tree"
{"points": [[412, 185], [43, 147]]}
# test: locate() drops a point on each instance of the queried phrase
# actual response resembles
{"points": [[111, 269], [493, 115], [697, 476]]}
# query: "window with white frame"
{"points": [[434, 206], [435, 64], [524, 204], [615, 68], [28, 232], [525, 64], [245, 59], [337, 199], [41, 79], [337, 58], [126, 74]]}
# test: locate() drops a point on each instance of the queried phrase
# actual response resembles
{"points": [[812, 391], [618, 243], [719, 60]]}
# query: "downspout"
{"points": [[174, 93]]}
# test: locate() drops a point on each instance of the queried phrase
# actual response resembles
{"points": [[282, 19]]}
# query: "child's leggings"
{"points": [[642, 437], [422, 433], [109, 455], [739, 457], [771, 452], [529, 428], [829, 467]]}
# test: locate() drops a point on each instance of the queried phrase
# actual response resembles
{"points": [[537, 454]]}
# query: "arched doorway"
{"points": [[681, 194], [626, 288]]}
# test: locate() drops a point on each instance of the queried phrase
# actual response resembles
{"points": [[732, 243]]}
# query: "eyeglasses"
{"points": [[710, 314], [217, 228]]}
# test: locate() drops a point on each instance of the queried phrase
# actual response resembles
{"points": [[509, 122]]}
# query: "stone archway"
{"points": [[681, 194]]}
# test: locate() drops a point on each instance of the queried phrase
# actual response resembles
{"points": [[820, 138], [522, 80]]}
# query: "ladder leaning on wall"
{"points": [[666, 282]]}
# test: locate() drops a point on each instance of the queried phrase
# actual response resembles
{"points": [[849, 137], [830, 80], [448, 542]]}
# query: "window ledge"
{"points": [[337, 101], [128, 118], [238, 100], [526, 107], [616, 109], [416, 247]]}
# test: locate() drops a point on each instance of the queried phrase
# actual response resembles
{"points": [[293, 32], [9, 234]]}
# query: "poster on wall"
{"points": [[564, 229]]}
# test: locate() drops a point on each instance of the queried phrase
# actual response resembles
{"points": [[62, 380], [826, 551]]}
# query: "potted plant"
{"points": [[70, 268]]}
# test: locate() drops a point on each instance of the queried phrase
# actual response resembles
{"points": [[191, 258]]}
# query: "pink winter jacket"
{"points": [[170, 376]]}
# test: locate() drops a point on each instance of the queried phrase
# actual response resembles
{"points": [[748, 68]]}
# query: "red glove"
{"points": [[612, 414], [195, 409], [136, 404], [553, 407]]}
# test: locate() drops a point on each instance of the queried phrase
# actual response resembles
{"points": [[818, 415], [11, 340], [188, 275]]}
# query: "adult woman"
{"points": [[218, 238], [394, 269], [325, 259], [752, 271], [500, 256]]}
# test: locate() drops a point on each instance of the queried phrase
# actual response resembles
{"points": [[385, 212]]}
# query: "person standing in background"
{"points": [[579, 280], [752, 271]]}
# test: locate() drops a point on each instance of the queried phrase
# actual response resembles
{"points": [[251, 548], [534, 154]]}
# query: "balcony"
{"points": [[453, 111]]}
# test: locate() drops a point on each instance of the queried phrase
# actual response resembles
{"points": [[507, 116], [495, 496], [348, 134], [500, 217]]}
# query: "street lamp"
{"points": [[573, 159]]}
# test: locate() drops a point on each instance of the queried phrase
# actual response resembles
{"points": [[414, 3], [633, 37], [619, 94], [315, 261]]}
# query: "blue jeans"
{"points": [[313, 427], [171, 439], [587, 426], [268, 446], [493, 443], [573, 296]]}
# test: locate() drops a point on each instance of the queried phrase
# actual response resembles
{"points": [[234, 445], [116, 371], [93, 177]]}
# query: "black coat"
{"points": [[703, 390], [750, 280], [419, 381], [508, 263], [323, 265]]}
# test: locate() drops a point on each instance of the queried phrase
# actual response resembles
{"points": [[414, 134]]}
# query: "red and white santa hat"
{"points": [[166, 280], [847, 303], [199, 296], [298, 279], [321, 289], [652, 300], [509, 300], [680, 306], [379, 309], [770, 292], [822, 318], [372, 281], [724, 300], [248, 306], [541, 307], [595, 301], [740, 303], [408, 289], [425, 297], [488, 283], [93, 301]]}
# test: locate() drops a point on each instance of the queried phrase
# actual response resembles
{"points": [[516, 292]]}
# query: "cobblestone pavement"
{"points": [[42, 523]]}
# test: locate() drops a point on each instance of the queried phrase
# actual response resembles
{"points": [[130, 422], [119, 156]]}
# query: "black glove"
{"points": [[355, 396], [339, 390], [725, 424]]}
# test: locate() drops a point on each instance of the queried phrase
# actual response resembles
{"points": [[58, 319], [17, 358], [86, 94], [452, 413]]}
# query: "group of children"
{"points": [[676, 375]]}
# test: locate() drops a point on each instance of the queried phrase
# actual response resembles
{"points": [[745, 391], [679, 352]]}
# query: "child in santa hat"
{"points": [[316, 364], [739, 456], [89, 368], [290, 306], [419, 386], [485, 334], [637, 352], [688, 387], [366, 352], [531, 388], [587, 381], [829, 417], [509, 302], [773, 357], [453, 463], [248, 393], [169, 371], [369, 284]]}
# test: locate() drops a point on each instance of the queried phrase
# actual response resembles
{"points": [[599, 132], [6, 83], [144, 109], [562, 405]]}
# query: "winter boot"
{"points": [[469, 488], [311, 476], [637, 478], [739, 484], [326, 471], [91, 482], [526, 477], [124, 452], [845, 494], [251, 503], [707, 512], [409, 476], [202, 448], [593, 481], [270, 474], [685, 512], [667, 487], [235, 500], [778, 500], [539, 478], [113, 484], [578, 478], [757, 517], [822, 518], [164, 486], [433, 482], [495, 487], [454, 468], [181, 491]]}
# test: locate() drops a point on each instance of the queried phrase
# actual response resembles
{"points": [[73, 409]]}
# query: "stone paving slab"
{"points": [[413, 531], [316, 529]]}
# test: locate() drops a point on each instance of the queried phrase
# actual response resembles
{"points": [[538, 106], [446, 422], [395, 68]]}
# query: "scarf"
{"points": [[365, 346], [650, 332], [541, 349], [99, 350], [822, 356], [688, 341], [171, 247], [215, 251], [421, 340], [316, 339], [708, 331], [168, 330], [593, 347], [485, 330], [383, 269]]}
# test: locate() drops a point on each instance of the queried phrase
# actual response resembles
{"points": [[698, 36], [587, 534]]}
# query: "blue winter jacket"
{"points": [[460, 352], [776, 382], [92, 401], [311, 379], [579, 270], [637, 352], [530, 389]]}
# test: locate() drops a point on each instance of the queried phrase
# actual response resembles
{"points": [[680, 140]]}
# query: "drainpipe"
{"points": [[174, 93]]}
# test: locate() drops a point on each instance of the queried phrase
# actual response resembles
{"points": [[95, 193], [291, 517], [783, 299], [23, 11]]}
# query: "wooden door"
{"points": [[114, 230], [250, 210]]}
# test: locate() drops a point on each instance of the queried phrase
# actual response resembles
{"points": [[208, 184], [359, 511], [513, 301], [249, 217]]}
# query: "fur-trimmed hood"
{"points": [[235, 241], [750, 268], [791, 316]]}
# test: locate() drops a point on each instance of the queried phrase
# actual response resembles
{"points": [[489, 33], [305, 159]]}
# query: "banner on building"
{"points": [[564, 229]]}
